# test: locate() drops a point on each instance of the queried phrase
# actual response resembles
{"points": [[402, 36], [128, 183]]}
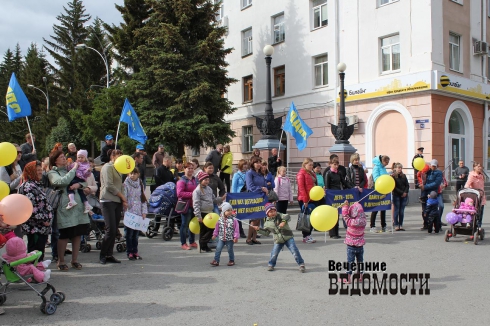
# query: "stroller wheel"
{"points": [[50, 308], [62, 295], [56, 298], [150, 233], [448, 235], [475, 237], [98, 245], [3, 298], [119, 247], [167, 233]]}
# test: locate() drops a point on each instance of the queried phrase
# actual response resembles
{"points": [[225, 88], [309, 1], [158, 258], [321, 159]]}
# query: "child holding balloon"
{"points": [[277, 224], [355, 219], [227, 231]]}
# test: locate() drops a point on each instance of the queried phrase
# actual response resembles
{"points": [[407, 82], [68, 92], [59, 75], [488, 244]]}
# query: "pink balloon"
{"points": [[15, 209]]}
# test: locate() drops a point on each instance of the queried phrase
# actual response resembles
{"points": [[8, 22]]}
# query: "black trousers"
{"points": [[460, 184], [240, 226], [112, 212], [37, 242], [282, 206], [383, 219], [205, 234], [225, 177]]}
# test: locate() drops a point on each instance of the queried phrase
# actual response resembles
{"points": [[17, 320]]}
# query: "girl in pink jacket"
{"points": [[355, 219], [283, 190]]}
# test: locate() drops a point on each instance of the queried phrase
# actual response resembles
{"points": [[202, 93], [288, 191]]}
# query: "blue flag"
{"points": [[18, 105], [135, 129], [297, 127]]}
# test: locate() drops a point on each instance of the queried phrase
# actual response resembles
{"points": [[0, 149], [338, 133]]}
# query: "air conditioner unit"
{"points": [[480, 48], [353, 120]]}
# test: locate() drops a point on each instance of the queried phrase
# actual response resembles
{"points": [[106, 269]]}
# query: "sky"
{"points": [[27, 21]]}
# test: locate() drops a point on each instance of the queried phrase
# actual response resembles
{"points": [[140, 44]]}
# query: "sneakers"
{"points": [[185, 247], [302, 268], [309, 239], [383, 229], [270, 269], [214, 263], [373, 230], [131, 257], [88, 208], [348, 280], [137, 256], [193, 245], [71, 205]]}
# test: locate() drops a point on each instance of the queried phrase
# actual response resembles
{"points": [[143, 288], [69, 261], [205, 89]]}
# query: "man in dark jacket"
{"points": [[461, 174], [215, 157], [163, 173], [109, 144], [72, 152], [274, 162], [28, 151]]}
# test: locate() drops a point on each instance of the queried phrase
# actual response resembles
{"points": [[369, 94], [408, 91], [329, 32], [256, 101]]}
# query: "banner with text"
{"points": [[370, 203], [248, 205], [136, 222]]}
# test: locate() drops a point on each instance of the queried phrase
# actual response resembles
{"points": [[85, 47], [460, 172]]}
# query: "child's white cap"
{"points": [[225, 206]]}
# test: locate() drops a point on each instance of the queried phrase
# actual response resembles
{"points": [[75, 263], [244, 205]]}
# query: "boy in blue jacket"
{"points": [[431, 213]]}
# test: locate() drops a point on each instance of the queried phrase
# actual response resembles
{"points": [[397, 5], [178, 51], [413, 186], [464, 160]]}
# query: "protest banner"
{"points": [[248, 205], [370, 203], [136, 222]]}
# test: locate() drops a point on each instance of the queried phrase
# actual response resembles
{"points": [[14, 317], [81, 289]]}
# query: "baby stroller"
{"points": [[472, 230], [12, 276], [161, 205]]}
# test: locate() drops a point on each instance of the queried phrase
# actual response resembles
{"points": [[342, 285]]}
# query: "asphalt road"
{"points": [[175, 287]]}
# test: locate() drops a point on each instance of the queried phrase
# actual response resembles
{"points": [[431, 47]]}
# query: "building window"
{"points": [[321, 70], [320, 17], [247, 42], [220, 11], [248, 89], [279, 81], [386, 2], [278, 30], [390, 53], [454, 51], [196, 151], [246, 3], [248, 139]]}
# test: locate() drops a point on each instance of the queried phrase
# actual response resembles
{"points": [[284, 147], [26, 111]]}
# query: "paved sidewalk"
{"points": [[175, 287]]}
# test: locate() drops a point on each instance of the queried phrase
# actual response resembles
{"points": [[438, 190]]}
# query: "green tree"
{"points": [[60, 134], [18, 63], [134, 13], [182, 75], [6, 69]]}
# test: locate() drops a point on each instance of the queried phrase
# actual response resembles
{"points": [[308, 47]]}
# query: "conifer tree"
{"points": [[6, 69]]}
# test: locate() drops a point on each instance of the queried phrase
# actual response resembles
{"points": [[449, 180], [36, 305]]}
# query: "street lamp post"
{"points": [[104, 58], [268, 126], [342, 131], [45, 94]]}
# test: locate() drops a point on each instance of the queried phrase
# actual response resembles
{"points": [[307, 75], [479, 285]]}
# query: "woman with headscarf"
{"points": [[38, 226]]}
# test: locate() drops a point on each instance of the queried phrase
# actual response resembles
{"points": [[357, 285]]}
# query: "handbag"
{"points": [[272, 195], [182, 206], [53, 196], [303, 223]]}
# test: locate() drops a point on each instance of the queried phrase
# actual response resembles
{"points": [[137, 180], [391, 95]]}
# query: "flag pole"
{"points": [[117, 133], [30, 133], [280, 142]]}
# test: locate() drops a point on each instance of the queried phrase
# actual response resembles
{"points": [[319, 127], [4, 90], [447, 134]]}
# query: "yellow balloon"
{"points": [[317, 193], [124, 164], [4, 190], [8, 153], [324, 217], [384, 184], [210, 220], [418, 163], [194, 226]]}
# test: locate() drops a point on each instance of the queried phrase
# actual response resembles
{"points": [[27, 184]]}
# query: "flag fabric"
{"points": [[297, 127], [135, 129], [18, 105]]}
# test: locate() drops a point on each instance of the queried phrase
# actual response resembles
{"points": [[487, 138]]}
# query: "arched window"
{"points": [[456, 124]]}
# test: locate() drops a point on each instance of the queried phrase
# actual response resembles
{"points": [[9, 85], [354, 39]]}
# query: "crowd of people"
{"points": [[201, 190]]}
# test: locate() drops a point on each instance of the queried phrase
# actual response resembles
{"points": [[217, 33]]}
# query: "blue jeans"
{"points": [[291, 245], [219, 247], [131, 240], [184, 227], [399, 203], [354, 253], [441, 207]]}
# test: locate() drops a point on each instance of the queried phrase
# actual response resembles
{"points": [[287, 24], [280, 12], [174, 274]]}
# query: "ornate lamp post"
{"points": [[268, 126], [342, 131]]}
